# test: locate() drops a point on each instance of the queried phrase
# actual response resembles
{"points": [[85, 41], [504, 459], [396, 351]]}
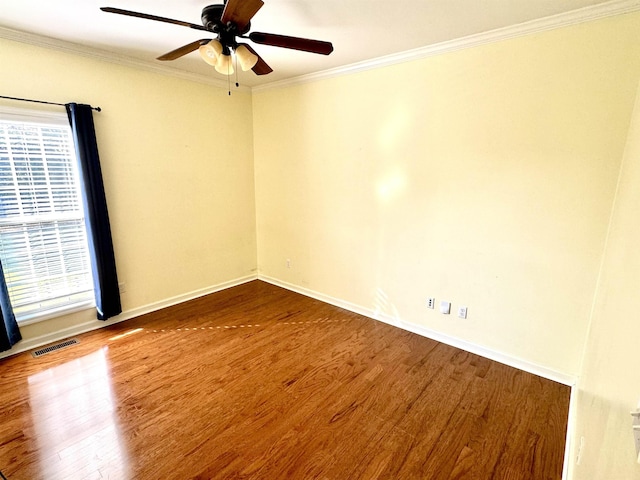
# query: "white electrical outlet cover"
{"points": [[445, 307], [462, 312]]}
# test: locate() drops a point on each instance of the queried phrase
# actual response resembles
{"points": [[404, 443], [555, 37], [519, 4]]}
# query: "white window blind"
{"points": [[43, 243]]}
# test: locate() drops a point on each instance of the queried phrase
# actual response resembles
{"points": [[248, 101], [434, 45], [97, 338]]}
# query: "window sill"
{"points": [[55, 312]]}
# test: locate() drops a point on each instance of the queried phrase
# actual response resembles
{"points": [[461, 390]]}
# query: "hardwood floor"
{"points": [[257, 382]]}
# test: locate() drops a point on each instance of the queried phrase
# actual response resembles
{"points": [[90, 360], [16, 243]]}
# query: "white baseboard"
{"points": [[519, 363], [569, 462], [185, 297], [30, 344], [509, 360]]}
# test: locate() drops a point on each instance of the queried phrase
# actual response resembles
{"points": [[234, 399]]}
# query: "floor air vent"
{"points": [[53, 348]]}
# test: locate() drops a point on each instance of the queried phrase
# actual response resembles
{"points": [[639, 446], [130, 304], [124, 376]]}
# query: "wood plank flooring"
{"points": [[257, 382]]}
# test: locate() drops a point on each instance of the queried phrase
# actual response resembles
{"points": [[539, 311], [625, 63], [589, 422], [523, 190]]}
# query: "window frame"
{"points": [[24, 115]]}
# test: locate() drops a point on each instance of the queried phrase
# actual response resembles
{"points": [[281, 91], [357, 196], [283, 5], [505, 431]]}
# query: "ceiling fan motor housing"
{"points": [[211, 19], [237, 23]]}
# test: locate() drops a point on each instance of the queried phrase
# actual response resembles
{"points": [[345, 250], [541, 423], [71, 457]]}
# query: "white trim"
{"points": [[111, 57], [44, 315], [515, 362], [33, 115], [185, 297], [41, 340], [574, 17], [519, 363], [569, 462]]}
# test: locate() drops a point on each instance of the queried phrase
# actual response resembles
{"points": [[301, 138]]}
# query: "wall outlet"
{"points": [[431, 302], [288, 263], [462, 312], [122, 287], [445, 307]]}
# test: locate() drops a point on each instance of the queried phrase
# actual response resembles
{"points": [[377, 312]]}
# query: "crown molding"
{"points": [[111, 57], [574, 17]]}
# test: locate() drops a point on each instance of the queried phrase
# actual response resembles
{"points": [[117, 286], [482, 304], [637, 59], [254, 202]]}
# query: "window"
{"points": [[43, 243]]}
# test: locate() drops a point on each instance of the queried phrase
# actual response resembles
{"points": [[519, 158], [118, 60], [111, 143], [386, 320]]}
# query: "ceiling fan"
{"points": [[230, 21]]}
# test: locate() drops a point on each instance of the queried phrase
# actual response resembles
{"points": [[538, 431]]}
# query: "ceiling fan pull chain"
{"points": [[237, 84]]}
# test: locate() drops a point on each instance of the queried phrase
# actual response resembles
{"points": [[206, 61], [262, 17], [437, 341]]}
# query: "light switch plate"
{"points": [[445, 307]]}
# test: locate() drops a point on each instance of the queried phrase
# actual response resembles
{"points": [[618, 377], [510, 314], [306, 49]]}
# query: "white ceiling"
{"points": [[360, 30]]}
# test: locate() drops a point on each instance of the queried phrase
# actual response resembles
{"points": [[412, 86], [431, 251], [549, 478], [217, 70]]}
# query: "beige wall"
{"points": [[484, 177], [609, 387], [177, 161]]}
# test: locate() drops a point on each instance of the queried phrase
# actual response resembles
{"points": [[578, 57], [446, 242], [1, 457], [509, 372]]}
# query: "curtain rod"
{"points": [[97, 109]]}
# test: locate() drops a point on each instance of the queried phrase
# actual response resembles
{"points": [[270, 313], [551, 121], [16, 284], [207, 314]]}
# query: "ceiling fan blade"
{"points": [[295, 43], [179, 52], [260, 68], [240, 12], [129, 13]]}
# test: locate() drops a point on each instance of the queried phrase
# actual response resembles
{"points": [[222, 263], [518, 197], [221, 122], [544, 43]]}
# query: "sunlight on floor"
{"points": [[75, 425], [126, 334]]}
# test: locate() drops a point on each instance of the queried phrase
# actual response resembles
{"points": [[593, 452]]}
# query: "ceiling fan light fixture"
{"points": [[230, 21], [224, 65], [210, 52], [246, 58]]}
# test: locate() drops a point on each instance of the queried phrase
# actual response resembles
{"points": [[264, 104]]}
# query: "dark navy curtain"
{"points": [[103, 263], [9, 332]]}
